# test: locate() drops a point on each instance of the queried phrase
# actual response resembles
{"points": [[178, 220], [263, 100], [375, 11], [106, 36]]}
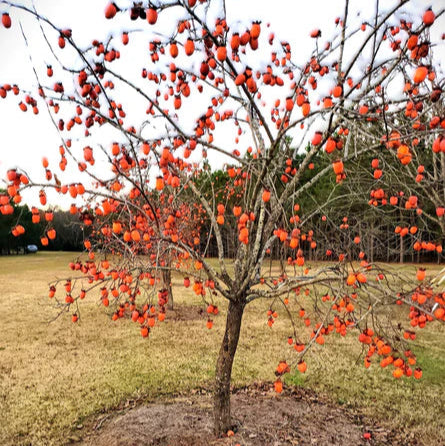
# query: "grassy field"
{"points": [[55, 376]]}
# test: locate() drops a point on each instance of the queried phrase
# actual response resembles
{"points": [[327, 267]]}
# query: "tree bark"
{"points": [[401, 250], [167, 282], [221, 403]]}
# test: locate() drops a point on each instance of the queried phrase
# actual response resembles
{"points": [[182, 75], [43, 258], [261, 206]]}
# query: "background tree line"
{"points": [[372, 217], [68, 228]]}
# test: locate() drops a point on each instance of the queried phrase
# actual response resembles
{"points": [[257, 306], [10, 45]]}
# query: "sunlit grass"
{"points": [[54, 376]]}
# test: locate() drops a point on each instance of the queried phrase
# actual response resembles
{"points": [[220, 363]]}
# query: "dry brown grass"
{"points": [[54, 376]]}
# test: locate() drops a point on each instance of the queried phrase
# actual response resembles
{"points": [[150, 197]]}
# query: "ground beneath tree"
{"points": [[261, 418]]}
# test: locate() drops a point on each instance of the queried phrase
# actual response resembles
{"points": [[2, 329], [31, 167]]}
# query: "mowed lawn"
{"points": [[57, 376]]}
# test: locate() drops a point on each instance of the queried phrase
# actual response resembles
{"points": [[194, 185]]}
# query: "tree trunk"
{"points": [[221, 404], [167, 282], [442, 241], [401, 250]]}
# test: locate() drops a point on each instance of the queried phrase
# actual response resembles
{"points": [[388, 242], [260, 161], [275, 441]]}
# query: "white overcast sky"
{"points": [[24, 139]]}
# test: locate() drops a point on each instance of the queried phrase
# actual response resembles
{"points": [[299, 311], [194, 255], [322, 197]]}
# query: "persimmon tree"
{"points": [[214, 92]]}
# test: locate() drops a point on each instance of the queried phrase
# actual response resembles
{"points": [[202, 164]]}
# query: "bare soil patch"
{"points": [[261, 418]]}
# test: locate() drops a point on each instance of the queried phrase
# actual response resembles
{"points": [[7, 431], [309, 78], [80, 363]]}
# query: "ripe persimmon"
{"points": [[302, 366], [235, 42], [61, 42], [240, 79], [110, 10], [221, 53], [152, 16], [6, 20], [289, 104], [351, 279], [315, 33], [255, 30], [439, 313], [428, 17], [337, 91], [317, 138], [338, 167], [278, 386], [420, 275], [397, 373], [420, 74], [174, 50], [418, 373], [266, 195], [189, 47], [159, 183]]}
